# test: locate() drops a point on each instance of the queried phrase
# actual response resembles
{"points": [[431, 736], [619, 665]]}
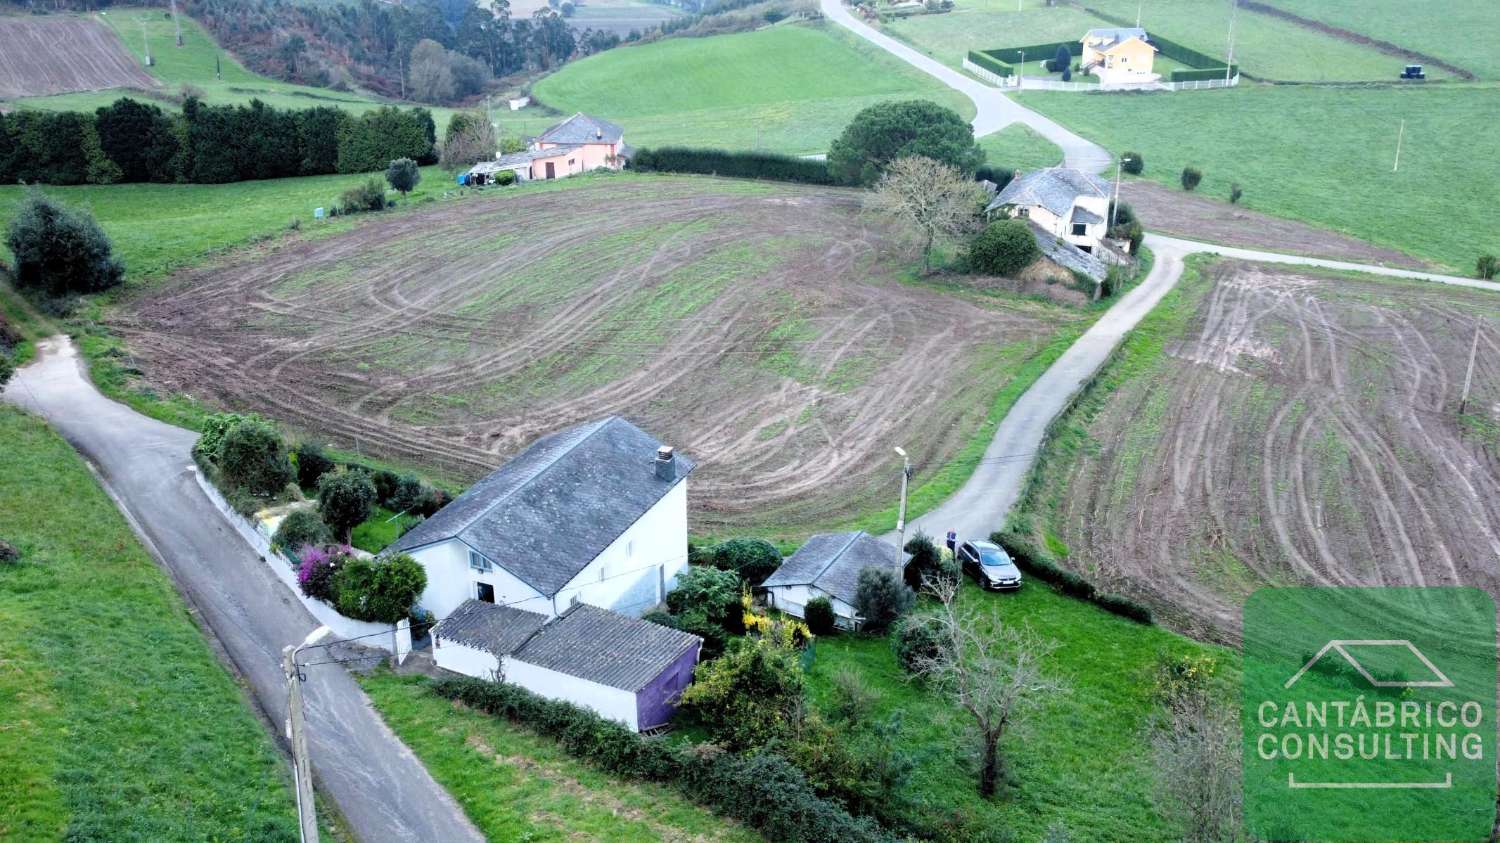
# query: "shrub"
{"points": [[1005, 247], [385, 485], [8, 553], [7, 366], [60, 251], [713, 593], [366, 196], [1235, 193], [750, 696], [888, 131], [752, 559], [1487, 267], [398, 582], [312, 463], [1060, 61], [345, 499], [299, 528], [315, 576], [926, 560], [211, 439], [1190, 177], [853, 701], [745, 165], [1067, 74], [409, 494], [252, 457], [1000, 176], [881, 597], [820, 616], [697, 623], [1133, 163], [1125, 607], [915, 639], [402, 175], [504, 178]]}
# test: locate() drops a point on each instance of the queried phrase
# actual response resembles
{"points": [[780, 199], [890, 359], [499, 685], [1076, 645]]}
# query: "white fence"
{"points": [[381, 636], [1033, 83]]}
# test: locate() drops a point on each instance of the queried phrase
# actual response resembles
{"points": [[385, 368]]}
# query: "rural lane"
{"points": [[993, 110], [379, 786], [1158, 241]]}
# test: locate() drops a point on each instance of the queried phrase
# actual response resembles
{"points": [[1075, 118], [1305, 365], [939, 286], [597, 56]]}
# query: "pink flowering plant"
{"points": [[319, 565]]}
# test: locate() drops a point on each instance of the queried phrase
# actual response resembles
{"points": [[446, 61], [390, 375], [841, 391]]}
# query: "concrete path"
{"points": [[383, 792], [993, 110], [1157, 241]]}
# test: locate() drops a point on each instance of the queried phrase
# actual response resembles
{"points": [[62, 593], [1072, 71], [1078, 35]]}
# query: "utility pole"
{"points": [[1138, 13], [1463, 403], [1021, 71], [146, 42], [1400, 134], [1234, 7], [901, 513], [307, 815], [1114, 207], [176, 23]]}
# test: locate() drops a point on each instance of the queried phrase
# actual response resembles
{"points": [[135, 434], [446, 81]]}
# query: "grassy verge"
{"points": [[517, 786], [1081, 761], [380, 529], [118, 721], [1320, 155], [1018, 147]]}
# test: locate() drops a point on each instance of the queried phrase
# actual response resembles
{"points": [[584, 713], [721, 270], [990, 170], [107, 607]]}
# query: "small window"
{"points": [[478, 562], [1080, 229], [1024, 212], [484, 592]]}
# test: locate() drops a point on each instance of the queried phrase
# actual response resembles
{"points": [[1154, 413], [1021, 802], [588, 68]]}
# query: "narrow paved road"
{"points": [[384, 793], [993, 110], [1157, 241]]}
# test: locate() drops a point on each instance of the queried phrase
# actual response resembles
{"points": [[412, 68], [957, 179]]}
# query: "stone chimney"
{"points": [[666, 463]]}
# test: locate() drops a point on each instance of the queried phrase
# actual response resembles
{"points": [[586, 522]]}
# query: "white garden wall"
{"points": [[461, 658]]}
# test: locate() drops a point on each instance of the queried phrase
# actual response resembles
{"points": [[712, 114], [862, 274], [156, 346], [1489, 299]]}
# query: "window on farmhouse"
{"points": [[478, 562], [1080, 229]]}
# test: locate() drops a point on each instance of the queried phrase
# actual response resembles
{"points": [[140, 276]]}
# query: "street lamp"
{"points": [[901, 513], [307, 817]]}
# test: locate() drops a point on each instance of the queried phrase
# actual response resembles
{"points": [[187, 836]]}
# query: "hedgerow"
{"points": [[720, 162]]}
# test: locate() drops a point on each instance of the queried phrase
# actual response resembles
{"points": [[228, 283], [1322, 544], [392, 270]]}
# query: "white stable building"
{"points": [[596, 513], [828, 565]]}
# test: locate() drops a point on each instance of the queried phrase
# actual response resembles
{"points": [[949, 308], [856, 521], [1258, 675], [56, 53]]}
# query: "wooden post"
{"points": [[307, 816], [1463, 402]]}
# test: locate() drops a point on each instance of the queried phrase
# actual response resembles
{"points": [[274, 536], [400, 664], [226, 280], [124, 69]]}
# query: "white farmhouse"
{"points": [[596, 514], [1069, 204], [623, 668], [828, 565]]}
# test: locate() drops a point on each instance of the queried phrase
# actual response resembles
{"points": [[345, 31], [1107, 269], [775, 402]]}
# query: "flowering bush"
{"points": [[319, 565]]}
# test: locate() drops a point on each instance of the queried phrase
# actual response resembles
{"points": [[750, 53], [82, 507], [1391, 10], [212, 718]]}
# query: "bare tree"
{"points": [[1195, 744], [994, 674], [933, 197], [431, 76], [470, 139]]}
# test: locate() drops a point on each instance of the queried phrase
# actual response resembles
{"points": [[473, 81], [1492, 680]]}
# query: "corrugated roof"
{"points": [[558, 504], [832, 562], [606, 647], [582, 128], [1053, 188], [1066, 255], [485, 626]]}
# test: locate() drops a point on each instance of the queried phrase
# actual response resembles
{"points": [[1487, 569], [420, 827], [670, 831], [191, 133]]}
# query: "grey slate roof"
{"points": [[498, 630], [581, 128], [1115, 35], [1066, 255], [1053, 188], [606, 647], [1084, 215], [831, 562], [558, 504]]}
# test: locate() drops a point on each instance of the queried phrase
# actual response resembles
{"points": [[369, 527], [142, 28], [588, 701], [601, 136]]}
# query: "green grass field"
{"points": [[1080, 761], [1264, 46], [118, 722], [193, 64], [790, 88], [1446, 33], [1320, 155], [1018, 147], [517, 786], [157, 228]]}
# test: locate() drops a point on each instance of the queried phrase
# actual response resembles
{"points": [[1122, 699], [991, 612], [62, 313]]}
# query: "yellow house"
{"points": [[1119, 55]]}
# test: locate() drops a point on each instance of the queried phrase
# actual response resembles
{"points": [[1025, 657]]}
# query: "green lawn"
{"points": [[1264, 46], [517, 786], [790, 88], [1079, 761], [380, 529], [160, 227], [1448, 33], [1019, 148], [193, 63], [1320, 155], [118, 722]]}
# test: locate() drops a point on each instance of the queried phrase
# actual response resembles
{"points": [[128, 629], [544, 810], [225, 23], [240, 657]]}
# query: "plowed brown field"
{"points": [[54, 55], [762, 329], [1291, 429]]}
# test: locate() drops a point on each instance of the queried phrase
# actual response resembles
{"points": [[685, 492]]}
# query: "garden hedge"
{"points": [[1031, 559], [720, 162], [1203, 74], [762, 790], [990, 63], [1012, 55]]}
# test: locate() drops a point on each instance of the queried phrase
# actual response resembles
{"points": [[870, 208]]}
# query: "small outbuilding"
{"points": [[623, 668], [828, 565]]}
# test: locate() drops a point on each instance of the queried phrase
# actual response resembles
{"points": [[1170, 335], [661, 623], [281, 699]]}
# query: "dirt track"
{"points": [[54, 55], [1301, 430], [1202, 218], [759, 328]]}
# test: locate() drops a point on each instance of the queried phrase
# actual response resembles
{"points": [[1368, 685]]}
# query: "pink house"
{"points": [[576, 145]]}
